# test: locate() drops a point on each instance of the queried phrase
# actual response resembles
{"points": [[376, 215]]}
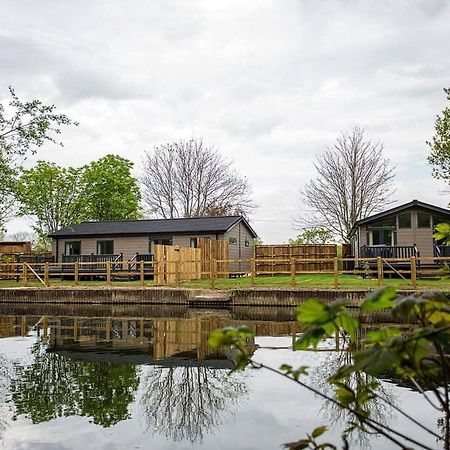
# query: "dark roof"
{"points": [[397, 209], [156, 226]]}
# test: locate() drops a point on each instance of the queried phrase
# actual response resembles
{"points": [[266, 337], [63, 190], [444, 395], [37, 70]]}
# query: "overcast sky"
{"points": [[268, 83]]}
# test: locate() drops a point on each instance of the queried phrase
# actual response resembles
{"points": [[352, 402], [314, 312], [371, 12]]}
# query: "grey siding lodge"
{"points": [[403, 231], [129, 237]]}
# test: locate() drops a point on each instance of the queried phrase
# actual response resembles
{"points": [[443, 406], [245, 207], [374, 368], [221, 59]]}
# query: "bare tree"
{"points": [[354, 180], [190, 179]]}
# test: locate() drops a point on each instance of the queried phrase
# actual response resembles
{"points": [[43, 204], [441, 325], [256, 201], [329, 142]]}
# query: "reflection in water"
{"points": [[150, 364], [185, 403], [55, 386], [339, 417], [88, 366]]}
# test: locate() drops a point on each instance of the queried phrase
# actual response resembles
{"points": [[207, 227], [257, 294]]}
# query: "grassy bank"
{"points": [[319, 281]]}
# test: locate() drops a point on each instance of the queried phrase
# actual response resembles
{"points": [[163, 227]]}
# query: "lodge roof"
{"points": [[190, 225], [400, 208]]}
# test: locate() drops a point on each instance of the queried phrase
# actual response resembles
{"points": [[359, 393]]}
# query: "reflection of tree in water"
{"points": [[340, 418], [56, 386], [185, 403], [6, 374]]}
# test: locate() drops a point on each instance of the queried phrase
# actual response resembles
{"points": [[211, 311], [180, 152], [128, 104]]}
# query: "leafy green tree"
{"points": [[313, 236], [112, 193], [24, 127], [439, 157], [55, 386], [53, 195]]}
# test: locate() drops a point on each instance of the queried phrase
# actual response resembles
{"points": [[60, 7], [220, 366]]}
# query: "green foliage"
{"points": [[419, 355], [55, 386], [442, 232], [54, 195], [323, 320], [310, 442], [313, 236], [379, 299], [439, 157], [24, 127], [233, 337], [28, 126], [112, 193]]}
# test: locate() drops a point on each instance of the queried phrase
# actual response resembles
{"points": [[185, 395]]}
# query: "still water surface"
{"points": [[99, 377]]}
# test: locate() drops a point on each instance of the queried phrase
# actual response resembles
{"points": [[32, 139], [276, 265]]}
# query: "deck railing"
{"points": [[441, 250], [387, 251]]}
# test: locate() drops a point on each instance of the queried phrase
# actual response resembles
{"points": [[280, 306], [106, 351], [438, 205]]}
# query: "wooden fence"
{"points": [[175, 264], [275, 259], [214, 249], [172, 269]]}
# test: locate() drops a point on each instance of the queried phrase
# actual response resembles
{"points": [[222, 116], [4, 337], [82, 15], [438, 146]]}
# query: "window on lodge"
{"points": [[105, 247], [382, 232], [72, 248], [423, 220], [193, 242], [158, 241], [382, 236], [404, 220]]}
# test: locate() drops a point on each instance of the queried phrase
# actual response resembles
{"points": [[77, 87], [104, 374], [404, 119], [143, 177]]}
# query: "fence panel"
{"points": [[217, 249], [277, 257]]}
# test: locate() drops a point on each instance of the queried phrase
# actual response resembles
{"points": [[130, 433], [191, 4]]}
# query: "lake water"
{"points": [[100, 377]]}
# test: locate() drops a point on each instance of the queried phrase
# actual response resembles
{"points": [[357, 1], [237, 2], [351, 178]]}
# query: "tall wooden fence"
{"points": [[278, 258], [214, 249], [174, 264]]}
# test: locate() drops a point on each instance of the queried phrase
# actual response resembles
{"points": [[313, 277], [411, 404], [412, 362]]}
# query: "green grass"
{"points": [[315, 281]]}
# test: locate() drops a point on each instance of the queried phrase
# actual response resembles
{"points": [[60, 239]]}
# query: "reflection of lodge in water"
{"points": [[165, 341]]}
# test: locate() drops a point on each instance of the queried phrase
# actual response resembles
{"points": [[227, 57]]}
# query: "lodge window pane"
{"points": [[383, 223], [158, 241], [193, 242], [105, 247], [247, 243], [404, 220], [232, 241], [72, 248], [423, 220]]}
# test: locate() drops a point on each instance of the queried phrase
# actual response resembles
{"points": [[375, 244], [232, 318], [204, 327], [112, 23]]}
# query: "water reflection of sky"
{"points": [[251, 410]]}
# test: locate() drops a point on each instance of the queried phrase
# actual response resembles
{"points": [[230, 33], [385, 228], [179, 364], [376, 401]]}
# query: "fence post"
{"points": [[177, 272], [292, 272], [25, 274], [336, 273], [380, 271], [108, 273], [413, 272], [252, 271], [142, 273], [77, 273], [46, 275], [213, 273]]}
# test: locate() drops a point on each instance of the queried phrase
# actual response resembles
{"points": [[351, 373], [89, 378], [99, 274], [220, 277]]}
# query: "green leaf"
{"points": [[380, 336], [229, 336], [442, 232], [314, 312], [318, 431], [375, 360], [298, 445], [348, 323], [344, 394], [379, 299], [310, 337]]}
